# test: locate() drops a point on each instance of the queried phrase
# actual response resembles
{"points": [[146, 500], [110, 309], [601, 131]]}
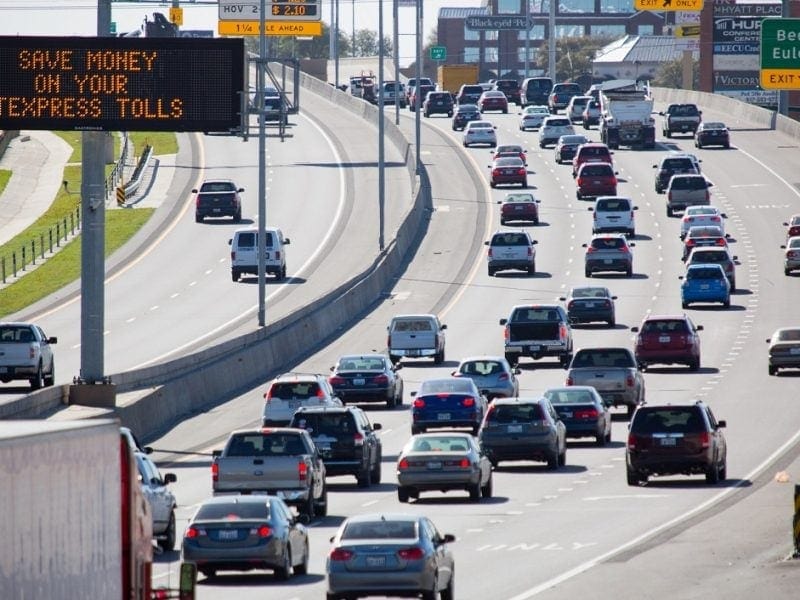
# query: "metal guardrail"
{"points": [[119, 169], [132, 186]]}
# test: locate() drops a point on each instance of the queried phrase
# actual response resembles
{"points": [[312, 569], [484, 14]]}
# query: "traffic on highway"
{"points": [[565, 378]]}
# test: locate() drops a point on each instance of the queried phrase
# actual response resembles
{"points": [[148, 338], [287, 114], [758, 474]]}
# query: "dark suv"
{"points": [[667, 339], [438, 103], [346, 441], [510, 87], [672, 165], [673, 440]]}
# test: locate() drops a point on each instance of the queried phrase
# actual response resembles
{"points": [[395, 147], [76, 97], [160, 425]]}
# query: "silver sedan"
{"points": [[390, 555], [491, 374], [442, 462]]}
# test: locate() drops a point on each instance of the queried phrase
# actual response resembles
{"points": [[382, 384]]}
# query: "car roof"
{"points": [[518, 400], [482, 357], [239, 499], [414, 316], [666, 317], [372, 355], [383, 517], [297, 376], [699, 266], [568, 388]]}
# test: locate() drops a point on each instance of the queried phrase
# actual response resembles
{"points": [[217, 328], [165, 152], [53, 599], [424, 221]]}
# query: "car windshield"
{"points": [[16, 334], [788, 335], [233, 511], [384, 529], [589, 292], [608, 243], [482, 367], [665, 326], [360, 363], [446, 386], [515, 413], [705, 273], [510, 238], [569, 396]]}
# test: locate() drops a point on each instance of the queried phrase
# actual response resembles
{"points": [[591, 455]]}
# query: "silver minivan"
{"points": [[244, 255], [614, 214]]}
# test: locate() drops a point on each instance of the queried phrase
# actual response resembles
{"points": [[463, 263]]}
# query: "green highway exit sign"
{"points": [[780, 54], [438, 53]]}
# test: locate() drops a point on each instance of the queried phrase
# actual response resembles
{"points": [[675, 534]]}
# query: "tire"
{"points": [[237, 218], [50, 379], [283, 273], [37, 381], [198, 218], [726, 303], [375, 473], [772, 370], [723, 471], [694, 365], [629, 272], [449, 593], [308, 506], [486, 490], [600, 440], [669, 211], [633, 478], [364, 478], [284, 572], [209, 573], [321, 506], [667, 133], [684, 305], [532, 269], [492, 184], [631, 233], [432, 594], [438, 358], [608, 437], [512, 359], [630, 410], [698, 144], [612, 322], [587, 273], [415, 429], [302, 568], [712, 474], [562, 458], [402, 495], [168, 543], [235, 275], [552, 462], [475, 492], [394, 359]]}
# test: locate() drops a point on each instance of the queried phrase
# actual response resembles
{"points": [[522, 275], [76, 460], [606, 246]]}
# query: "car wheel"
{"points": [[536, 220], [438, 358], [433, 594], [629, 272], [492, 184], [375, 474], [733, 286], [612, 322], [364, 478], [633, 477], [562, 458], [553, 460], [308, 506], [402, 494], [698, 144], [302, 568], [321, 506], [168, 543], [532, 269], [512, 359], [684, 305], [284, 572], [723, 471], [394, 359], [486, 490], [450, 114], [772, 370], [37, 381], [631, 233], [630, 410], [726, 303], [608, 436], [712, 474], [667, 133], [587, 273], [415, 429], [50, 378], [787, 271], [237, 218], [565, 360], [455, 128], [198, 218], [449, 593], [669, 211], [475, 492], [600, 440], [694, 365]]}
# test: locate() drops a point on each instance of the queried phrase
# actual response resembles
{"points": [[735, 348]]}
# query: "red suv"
{"points": [[668, 339], [592, 152], [596, 179], [793, 226]]}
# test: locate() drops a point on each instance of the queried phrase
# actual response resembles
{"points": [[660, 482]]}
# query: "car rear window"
{"points": [[535, 314], [482, 367], [672, 164], [704, 274], [683, 110], [602, 358], [615, 204], [595, 170], [368, 530], [687, 183], [260, 444], [315, 424], [446, 386], [668, 420], [594, 151], [665, 326], [472, 89], [510, 239], [233, 511], [569, 396], [589, 293], [218, 186], [294, 390], [361, 363], [788, 335], [515, 413], [715, 256], [567, 88], [413, 325], [558, 123], [16, 334], [248, 240], [698, 232], [612, 243], [440, 444]]}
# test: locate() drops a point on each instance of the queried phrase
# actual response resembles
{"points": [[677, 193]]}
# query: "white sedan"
{"points": [[533, 117], [699, 216], [480, 132]]}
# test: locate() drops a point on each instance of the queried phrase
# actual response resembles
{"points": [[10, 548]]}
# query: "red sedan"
{"points": [[596, 179], [793, 226], [519, 206], [508, 170], [493, 100]]}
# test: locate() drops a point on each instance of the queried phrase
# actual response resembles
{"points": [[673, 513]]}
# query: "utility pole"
{"points": [[551, 42], [395, 51], [262, 167], [417, 99], [381, 149]]}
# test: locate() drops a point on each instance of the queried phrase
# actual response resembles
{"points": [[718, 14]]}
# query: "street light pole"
{"points": [[381, 106], [262, 167], [353, 49], [396, 49], [417, 99], [527, 35]]}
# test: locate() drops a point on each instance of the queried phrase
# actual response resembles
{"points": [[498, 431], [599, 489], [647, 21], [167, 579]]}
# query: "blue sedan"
{"points": [[705, 283], [451, 402]]}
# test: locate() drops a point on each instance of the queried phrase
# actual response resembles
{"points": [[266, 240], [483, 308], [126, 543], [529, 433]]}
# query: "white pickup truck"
{"points": [[416, 336], [26, 353]]}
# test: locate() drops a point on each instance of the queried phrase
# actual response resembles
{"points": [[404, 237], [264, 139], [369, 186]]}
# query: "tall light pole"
{"points": [[396, 49], [381, 104], [262, 167], [353, 50], [551, 46], [418, 74], [527, 35]]}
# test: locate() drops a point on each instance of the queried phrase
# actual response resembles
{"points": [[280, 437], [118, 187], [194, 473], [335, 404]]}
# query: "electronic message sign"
{"points": [[121, 84]]}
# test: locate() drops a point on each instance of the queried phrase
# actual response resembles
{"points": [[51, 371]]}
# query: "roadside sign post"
{"points": [[438, 53], [780, 54]]}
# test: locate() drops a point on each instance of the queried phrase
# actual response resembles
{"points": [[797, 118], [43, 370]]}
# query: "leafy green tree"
{"points": [[670, 75], [574, 56]]}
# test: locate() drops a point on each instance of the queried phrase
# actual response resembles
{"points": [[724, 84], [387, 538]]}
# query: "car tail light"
{"points": [[490, 251], [413, 553], [589, 413], [503, 377], [463, 463], [358, 439], [214, 472], [570, 304], [468, 402], [340, 554], [625, 249], [594, 216], [495, 172], [690, 243], [197, 200], [302, 470], [631, 216], [268, 396], [569, 381], [380, 379], [606, 304], [194, 532], [521, 172], [263, 531], [562, 331], [705, 440], [629, 380], [591, 249], [632, 441], [715, 219], [336, 380], [669, 196], [389, 341], [506, 334], [613, 180], [721, 242], [31, 352], [792, 254], [530, 252], [708, 196], [403, 464], [579, 181], [419, 403], [320, 394]]}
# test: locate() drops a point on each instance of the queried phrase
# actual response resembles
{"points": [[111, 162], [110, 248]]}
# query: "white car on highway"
{"points": [[553, 128], [532, 117], [700, 216], [480, 132]]}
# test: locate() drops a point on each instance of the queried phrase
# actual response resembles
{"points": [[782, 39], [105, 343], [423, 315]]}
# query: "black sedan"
{"points": [[582, 411], [367, 378], [464, 114], [241, 533], [588, 304], [712, 134]]}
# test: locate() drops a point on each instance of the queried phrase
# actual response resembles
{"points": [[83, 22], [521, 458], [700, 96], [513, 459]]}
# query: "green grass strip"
{"points": [[5, 175]]}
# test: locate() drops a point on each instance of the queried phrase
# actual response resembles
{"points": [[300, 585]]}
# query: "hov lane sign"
{"points": [[780, 54], [668, 5]]}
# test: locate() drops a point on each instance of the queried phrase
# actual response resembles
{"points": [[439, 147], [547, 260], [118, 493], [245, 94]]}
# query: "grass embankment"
{"points": [[64, 267], [5, 175]]}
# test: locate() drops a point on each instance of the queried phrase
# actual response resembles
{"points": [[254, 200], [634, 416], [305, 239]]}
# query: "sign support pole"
{"points": [[262, 168], [381, 108], [783, 95]]}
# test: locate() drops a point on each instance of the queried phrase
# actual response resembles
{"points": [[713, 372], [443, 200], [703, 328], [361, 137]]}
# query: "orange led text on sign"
{"points": [[70, 85]]}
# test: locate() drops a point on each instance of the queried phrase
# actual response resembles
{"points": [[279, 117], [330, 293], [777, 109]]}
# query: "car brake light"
{"points": [[629, 381], [495, 172], [358, 439], [197, 200], [263, 531], [521, 172], [340, 554], [464, 463], [419, 403], [690, 243], [380, 379], [214, 472], [302, 470], [506, 334], [468, 402], [503, 377], [721, 242], [569, 381], [530, 251], [594, 216], [403, 464], [669, 196], [708, 196], [562, 331], [389, 341], [194, 532], [490, 251], [320, 394], [336, 380], [591, 249], [715, 219], [589, 413], [705, 440], [579, 181], [570, 304], [631, 441], [414, 553]]}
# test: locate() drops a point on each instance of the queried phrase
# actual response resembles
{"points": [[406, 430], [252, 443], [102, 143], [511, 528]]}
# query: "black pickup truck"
{"points": [[218, 198], [537, 331]]}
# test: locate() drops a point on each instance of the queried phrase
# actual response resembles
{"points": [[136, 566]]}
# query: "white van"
{"points": [[244, 258]]}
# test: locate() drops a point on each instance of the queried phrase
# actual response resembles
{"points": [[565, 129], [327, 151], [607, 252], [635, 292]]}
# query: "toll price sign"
{"points": [[121, 84], [780, 54], [277, 10]]}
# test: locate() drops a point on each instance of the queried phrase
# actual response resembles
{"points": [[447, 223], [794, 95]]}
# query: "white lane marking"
{"points": [[131, 320], [370, 503], [175, 295], [589, 564], [154, 307], [320, 249]]}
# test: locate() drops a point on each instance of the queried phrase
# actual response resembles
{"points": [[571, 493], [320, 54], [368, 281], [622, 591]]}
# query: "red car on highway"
{"points": [[508, 170], [493, 100], [595, 179], [667, 339]]}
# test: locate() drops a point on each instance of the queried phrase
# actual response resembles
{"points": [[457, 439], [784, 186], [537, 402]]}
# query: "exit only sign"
{"points": [[780, 54], [438, 53]]}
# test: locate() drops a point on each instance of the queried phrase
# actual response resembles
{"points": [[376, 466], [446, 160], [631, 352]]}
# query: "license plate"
{"points": [[667, 441], [589, 304], [704, 286], [216, 210], [597, 182], [376, 561], [443, 416], [412, 353], [515, 429], [434, 465], [359, 381], [534, 348], [228, 534], [519, 208], [608, 261], [294, 404], [663, 339]]}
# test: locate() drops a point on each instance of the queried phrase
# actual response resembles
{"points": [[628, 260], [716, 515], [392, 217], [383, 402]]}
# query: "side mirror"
{"points": [[287, 241], [517, 371], [216, 453], [194, 191], [635, 208], [499, 201], [613, 297], [562, 298], [680, 276], [584, 245], [699, 328], [230, 242], [52, 340], [634, 329], [534, 242], [735, 258], [413, 394], [376, 426], [240, 190], [504, 321], [590, 209], [444, 326], [332, 368], [768, 340], [398, 366], [170, 478], [709, 184], [655, 166], [721, 424], [148, 449], [632, 244], [448, 538]]}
